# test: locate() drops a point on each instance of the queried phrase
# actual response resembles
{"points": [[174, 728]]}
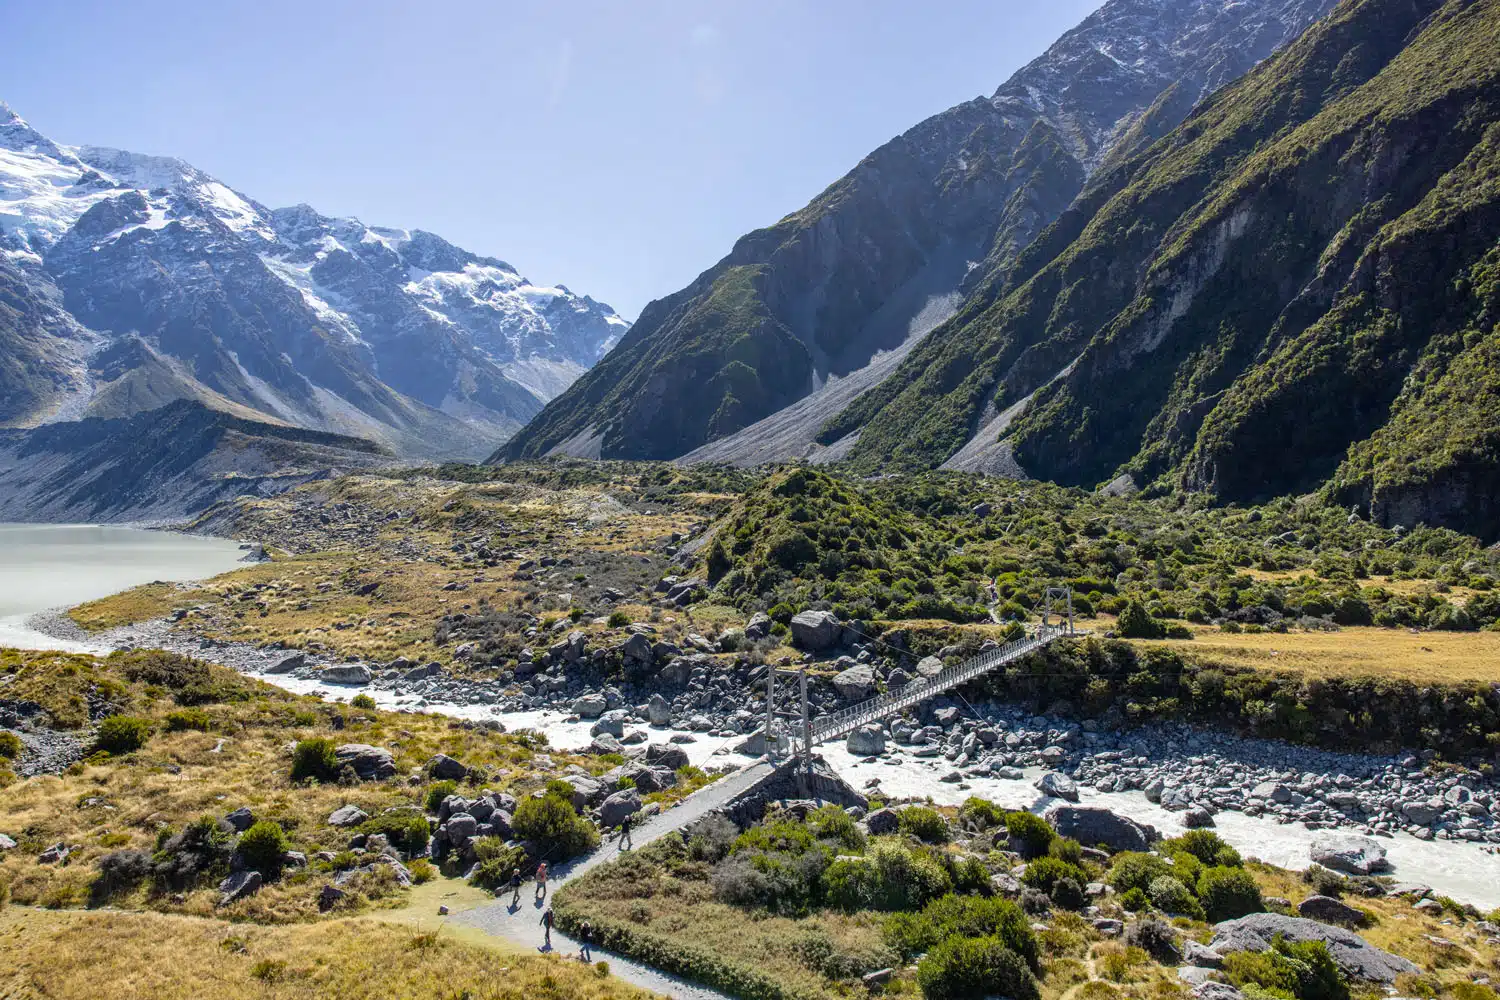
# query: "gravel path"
{"points": [[522, 924]]}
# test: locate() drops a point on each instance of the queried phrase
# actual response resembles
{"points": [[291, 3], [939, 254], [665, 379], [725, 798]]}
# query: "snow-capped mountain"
{"points": [[150, 280]]}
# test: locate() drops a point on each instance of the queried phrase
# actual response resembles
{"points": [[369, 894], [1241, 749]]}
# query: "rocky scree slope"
{"points": [[817, 295], [135, 280], [1295, 288]]}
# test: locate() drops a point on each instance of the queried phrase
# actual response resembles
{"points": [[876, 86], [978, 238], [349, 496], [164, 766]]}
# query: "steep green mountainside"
{"points": [[821, 292], [1296, 287]]}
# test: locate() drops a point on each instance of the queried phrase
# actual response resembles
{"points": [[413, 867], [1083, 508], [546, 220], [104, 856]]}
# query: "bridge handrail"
{"points": [[832, 726]]}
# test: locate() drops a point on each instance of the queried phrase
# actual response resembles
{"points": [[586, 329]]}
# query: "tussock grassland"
{"points": [[72, 956], [1420, 657]]}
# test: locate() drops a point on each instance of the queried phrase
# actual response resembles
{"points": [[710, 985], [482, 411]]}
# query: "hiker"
{"points": [[625, 842], [515, 889], [541, 880], [585, 930], [547, 923]]}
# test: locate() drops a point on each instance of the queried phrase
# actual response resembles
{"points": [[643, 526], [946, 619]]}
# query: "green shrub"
{"points": [[925, 824], [551, 823], [1154, 936], [1303, 970], [422, 871], [1136, 623], [315, 758], [262, 846], [10, 745], [1043, 874], [963, 968], [1133, 870], [1068, 894], [197, 854], [832, 823], [852, 883], [182, 719], [909, 878], [407, 831], [1066, 849], [1168, 894], [618, 619], [437, 792], [1031, 831], [911, 934], [362, 701], [1227, 893], [1205, 845], [497, 863], [1134, 899], [122, 734], [981, 814]]}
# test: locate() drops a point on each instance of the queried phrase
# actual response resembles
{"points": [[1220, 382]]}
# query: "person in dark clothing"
{"points": [[515, 889], [585, 931], [547, 923], [625, 842]]}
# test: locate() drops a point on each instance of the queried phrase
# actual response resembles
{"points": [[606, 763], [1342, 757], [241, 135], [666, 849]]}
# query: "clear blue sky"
{"points": [[617, 146]]}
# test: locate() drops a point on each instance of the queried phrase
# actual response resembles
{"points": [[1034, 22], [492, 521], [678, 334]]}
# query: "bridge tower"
{"points": [[789, 716], [1063, 598]]}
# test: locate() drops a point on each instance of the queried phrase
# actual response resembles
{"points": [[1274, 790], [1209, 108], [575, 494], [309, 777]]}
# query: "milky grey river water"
{"points": [[46, 566]]}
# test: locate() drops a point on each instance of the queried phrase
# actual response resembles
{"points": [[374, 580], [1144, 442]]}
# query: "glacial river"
{"points": [[45, 566]]}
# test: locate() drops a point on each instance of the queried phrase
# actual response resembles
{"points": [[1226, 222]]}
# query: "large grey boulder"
{"points": [[1357, 957], [445, 768], [619, 805], [637, 648], [659, 711], [866, 741], [816, 631], [1349, 854], [345, 673], [239, 885], [240, 820], [369, 763], [1058, 786], [611, 722], [883, 821], [6, 843], [285, 665], [590, 706], [666, 755], [586, 790], [1090, 826], [460, 829], [929, 666], [855, 684], [347, 816], [758, 627], [1331, 911]]}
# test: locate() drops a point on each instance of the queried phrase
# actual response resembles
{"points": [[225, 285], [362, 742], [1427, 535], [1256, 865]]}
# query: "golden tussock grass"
{"points": [[1420, 657], [85, 955]]}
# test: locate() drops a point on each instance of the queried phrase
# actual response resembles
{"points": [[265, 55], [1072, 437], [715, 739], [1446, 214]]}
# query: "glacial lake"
{"points": [[44, 566]]}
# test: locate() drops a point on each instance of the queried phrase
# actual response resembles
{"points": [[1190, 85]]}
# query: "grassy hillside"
{"points": [[1296, 277]]}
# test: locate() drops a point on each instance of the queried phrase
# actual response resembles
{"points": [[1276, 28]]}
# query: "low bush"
{"points": [[315, 758], [185, 719], [1304, 970], [558, 831], [1205, 845], [832, 823], [711, 838], [963, 968], [422, 871], [1132, 870], [618, 619], [262, 846], [1068, 894], [122, 734], [1154, 936], [1168, 894], [437, 792], [1227, 893], [981, 814], [119, 871], [362, 701], [1030, 831], [1043, 874], [1066, 849], [911, 934], [909, 878], [407, 831], [925, 824], [199, 853], [852, 883], [10, 745], [497, 863]]}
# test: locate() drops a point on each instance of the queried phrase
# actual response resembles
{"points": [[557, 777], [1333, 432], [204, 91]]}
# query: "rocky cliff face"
{"points": [[820, 293], [1295, 288], [285, 315]]}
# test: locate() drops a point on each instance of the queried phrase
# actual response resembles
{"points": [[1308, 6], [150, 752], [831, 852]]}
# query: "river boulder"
{"points": [[1058, 786], [1357, 957], [354, 674], [866, 741], [1349, 854], [855, 684], [1090, 825]]}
